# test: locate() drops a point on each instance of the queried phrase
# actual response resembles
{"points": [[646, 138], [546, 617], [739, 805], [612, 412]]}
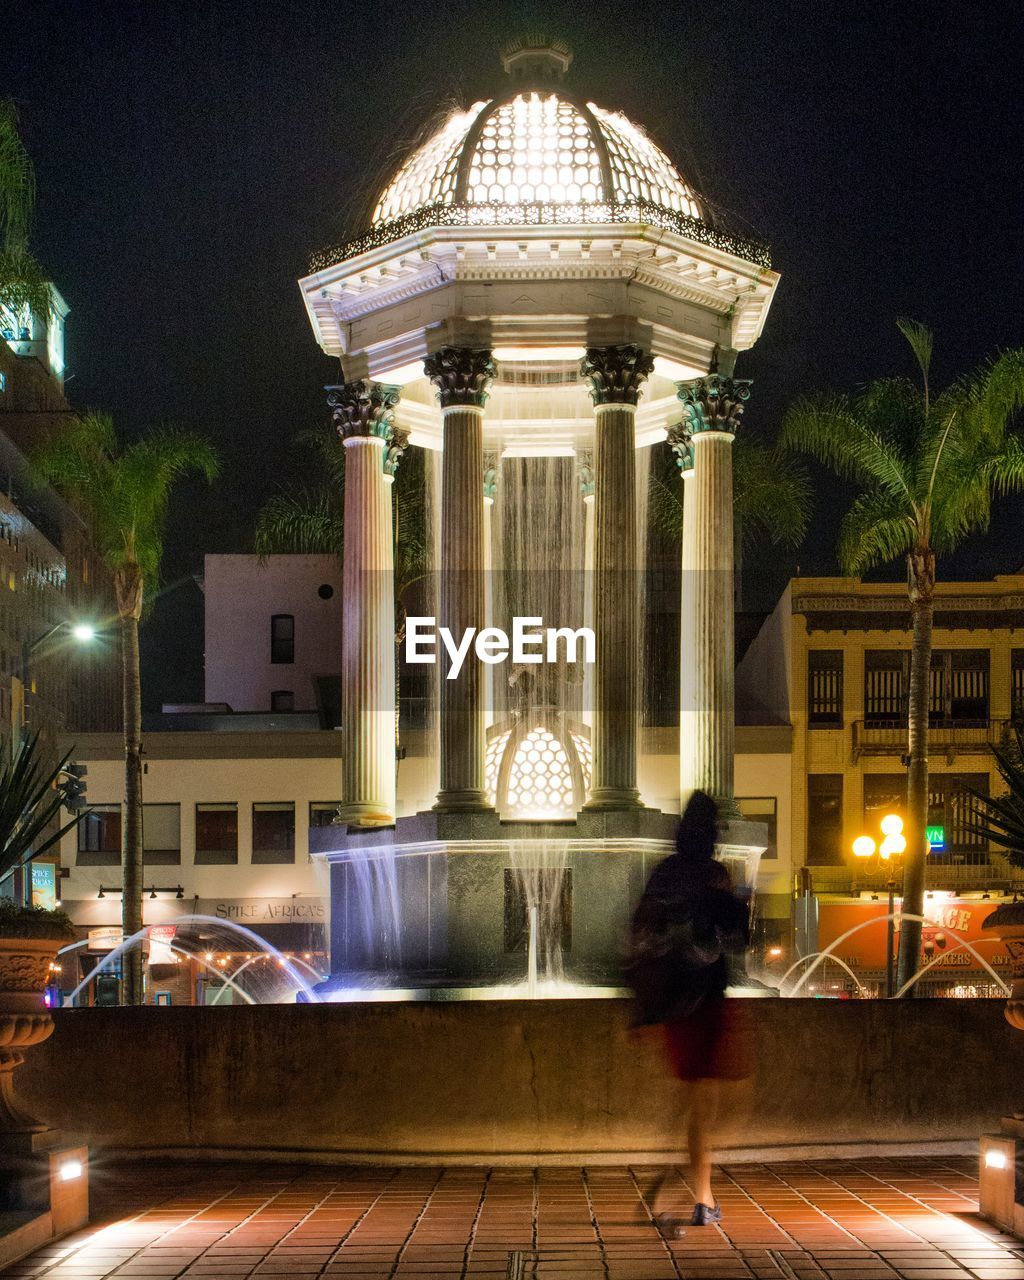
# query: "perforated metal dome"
{"points": [[536, 147]]}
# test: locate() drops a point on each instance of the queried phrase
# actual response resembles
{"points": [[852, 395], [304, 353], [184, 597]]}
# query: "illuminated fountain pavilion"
{"points": [[539, 298]]}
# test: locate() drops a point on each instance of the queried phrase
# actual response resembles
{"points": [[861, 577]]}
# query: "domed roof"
{"points": [[537, 156], [536, 147]]}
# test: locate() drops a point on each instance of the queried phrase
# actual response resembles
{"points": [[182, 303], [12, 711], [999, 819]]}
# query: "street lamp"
{"points": [[80, 632], [892, 845]]}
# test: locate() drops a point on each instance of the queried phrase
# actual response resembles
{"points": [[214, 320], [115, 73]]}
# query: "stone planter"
{"points": [[1007, 923], [24, 1019]]}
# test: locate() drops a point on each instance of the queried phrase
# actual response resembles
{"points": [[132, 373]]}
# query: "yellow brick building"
{"points": [[833, 661]]}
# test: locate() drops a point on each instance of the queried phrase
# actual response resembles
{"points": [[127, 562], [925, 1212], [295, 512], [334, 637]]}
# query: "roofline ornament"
{"points": [[583, 215]]}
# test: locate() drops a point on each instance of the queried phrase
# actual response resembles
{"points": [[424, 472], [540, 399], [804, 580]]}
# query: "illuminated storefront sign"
{"points": [[44, 885]]}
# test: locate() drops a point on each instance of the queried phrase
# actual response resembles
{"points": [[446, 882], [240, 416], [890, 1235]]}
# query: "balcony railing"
{"points": [[994, 873], [952, 739]]}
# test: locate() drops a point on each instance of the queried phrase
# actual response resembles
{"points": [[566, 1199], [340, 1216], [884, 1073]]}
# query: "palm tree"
{"points": [[772, 498], [122, 491], [23, 284], [928, 466], [311, 521]]}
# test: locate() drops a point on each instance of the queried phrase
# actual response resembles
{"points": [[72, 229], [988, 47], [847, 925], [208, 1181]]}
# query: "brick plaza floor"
{"points": [[845, 1220]]}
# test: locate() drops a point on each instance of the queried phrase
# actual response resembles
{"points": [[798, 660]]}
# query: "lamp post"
{"points": [[891, 847], [81, 632]]}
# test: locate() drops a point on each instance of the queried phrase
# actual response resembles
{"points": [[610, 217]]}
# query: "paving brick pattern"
{"points": [[821, 1220]]}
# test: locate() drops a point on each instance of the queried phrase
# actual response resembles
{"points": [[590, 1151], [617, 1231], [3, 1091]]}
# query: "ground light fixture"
{"points": [[892, 845], [70, 1170]]}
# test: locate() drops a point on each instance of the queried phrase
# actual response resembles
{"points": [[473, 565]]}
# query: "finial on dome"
{"points": [[536, 58]]}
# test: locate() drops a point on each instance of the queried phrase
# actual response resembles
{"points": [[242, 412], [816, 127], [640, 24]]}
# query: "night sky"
{"points": [[190, 156]]}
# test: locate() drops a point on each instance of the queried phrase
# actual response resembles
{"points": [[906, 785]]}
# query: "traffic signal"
{"points": [[72, 786]]}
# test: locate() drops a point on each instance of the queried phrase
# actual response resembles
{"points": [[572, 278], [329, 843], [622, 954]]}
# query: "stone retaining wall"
{"points": [[514, 1081]]}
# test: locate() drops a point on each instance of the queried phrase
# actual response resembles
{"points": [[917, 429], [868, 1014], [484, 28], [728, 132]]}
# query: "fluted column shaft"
{"points": [[616, 375], [687, 637], [462, 376], [363, 414], [712, 408]]}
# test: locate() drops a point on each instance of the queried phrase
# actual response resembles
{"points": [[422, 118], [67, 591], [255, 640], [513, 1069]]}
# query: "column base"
{"points": [[603, 799], [462, 800], [365, 813]]}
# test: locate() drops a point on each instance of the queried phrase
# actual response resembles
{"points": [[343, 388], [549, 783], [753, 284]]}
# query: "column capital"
{"points": [[681, 442], [462, 375], [587, 479], [394, 447], [363, 408], [713, 403], [616, 374]]}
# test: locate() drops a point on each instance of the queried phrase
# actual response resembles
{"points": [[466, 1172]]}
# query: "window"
{"points": [[1017, 685], [762, 809], [886, 680], [282, 700], [161, 835], [958, 687], [3, 380], [216, 834], [825, 688], [99, 837], [825, 819], [322, 813], [273, 833], [282, 638]]}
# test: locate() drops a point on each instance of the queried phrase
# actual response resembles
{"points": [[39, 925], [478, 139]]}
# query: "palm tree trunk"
{"points": [[921, 583], [131, 831]]}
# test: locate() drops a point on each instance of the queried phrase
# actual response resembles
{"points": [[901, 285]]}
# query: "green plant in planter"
{"points": [[30, 824], [1001, 818]]}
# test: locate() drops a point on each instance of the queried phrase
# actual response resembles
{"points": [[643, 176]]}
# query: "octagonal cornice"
{"points": [[536, 286]]}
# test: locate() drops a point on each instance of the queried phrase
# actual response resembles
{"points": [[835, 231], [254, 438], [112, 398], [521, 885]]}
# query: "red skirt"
{"points": [[712, 1043]]}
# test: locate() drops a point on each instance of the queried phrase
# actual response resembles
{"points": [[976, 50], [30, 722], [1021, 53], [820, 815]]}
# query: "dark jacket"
{"points": [[685, 927]]}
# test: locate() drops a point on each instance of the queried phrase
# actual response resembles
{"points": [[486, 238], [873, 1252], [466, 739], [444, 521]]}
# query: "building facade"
{"points": [[834, 660], [273, 632], [50, 573]]}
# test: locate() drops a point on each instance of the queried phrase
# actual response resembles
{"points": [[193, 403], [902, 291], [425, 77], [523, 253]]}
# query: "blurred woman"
{"points": [[687, 925]]}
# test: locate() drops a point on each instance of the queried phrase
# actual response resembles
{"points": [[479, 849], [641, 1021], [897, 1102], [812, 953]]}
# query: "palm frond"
{"points": [[877, 528], [665, 496], [17, 180], [24, 285], [1001, 818], [772, 493], [29, 805], [300, 522], [123, 492], [836, 431], [921, 342]]}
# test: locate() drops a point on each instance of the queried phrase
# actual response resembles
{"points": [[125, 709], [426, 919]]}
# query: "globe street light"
{"points": [[891, 847]]}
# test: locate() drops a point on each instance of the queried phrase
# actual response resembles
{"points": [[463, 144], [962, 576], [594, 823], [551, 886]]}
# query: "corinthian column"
{"points": [[462, 376], [616, 375], [712, 408], [364, 416]]}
